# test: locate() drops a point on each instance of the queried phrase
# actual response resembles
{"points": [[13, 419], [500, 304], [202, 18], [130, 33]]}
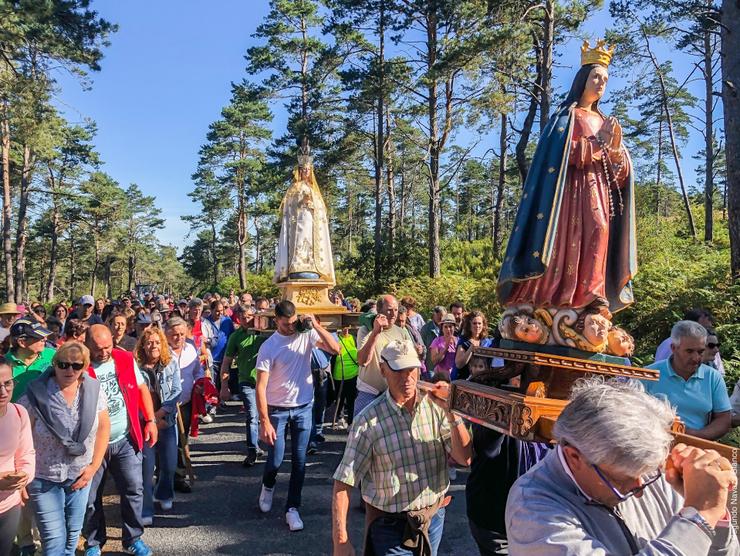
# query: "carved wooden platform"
{"points": [[512, 413], [532, 418], [568, 363]]}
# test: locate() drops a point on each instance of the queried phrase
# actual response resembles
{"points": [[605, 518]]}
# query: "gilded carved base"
{"points": [[310, 296]]}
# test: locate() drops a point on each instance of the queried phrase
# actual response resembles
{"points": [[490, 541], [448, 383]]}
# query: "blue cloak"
{"points": [[531, 243]]}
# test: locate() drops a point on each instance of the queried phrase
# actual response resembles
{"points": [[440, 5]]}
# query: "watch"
{"points": [[693, 515]]}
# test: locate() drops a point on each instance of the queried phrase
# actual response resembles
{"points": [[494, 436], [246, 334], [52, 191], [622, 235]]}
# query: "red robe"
{"points": [[576, 274]]}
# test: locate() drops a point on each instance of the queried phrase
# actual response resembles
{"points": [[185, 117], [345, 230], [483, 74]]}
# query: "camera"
{"points": [[304, 324]]}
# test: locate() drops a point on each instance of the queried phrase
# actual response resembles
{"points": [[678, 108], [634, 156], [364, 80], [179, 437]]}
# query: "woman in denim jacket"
{"points": [[162, 373]]}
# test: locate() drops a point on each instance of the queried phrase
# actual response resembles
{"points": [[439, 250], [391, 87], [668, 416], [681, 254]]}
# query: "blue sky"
{"points": [[165, 78]]}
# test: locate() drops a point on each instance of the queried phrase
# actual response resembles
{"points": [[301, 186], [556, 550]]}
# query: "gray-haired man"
{"points": [[697, 391], [614, 486]]}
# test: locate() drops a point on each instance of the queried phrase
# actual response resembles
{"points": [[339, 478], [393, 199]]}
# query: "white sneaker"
{"points": [[166, 505], [207, 418], [147, 521], [265, 499], [293, 519]]}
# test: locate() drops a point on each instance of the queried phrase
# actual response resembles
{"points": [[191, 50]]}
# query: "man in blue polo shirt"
{"points": [[697, 391]]}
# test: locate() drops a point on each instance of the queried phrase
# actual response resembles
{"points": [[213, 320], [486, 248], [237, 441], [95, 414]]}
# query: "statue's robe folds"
{"points": [[567, 249], [304, 245]]}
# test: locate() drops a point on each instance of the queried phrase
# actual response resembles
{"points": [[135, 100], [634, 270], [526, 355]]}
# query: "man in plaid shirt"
{"points": [[397, 450]]}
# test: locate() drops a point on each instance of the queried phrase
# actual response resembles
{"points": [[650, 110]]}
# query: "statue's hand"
{"points": [[616, 141], [605, 134]]}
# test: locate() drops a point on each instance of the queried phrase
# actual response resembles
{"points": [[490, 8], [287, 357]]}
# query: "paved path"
{"points": [[221, 515]]}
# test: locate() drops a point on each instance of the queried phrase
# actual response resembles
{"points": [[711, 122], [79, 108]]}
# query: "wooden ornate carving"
{"points": [[308, 296], [521, 421], [492, 411], [569, 363]]}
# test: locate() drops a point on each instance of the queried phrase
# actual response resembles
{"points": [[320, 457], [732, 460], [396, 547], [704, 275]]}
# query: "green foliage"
{"points": [[259, 285]]}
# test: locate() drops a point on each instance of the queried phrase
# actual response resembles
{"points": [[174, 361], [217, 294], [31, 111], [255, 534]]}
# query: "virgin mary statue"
{"points": [[573, 242], [304, 249]]}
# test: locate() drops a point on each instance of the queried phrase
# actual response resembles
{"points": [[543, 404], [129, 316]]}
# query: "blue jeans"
{"points": [[386, 535], [123, 462], [299, 420], [249, 399], [320, 392], [163, 455], [60, 512]]}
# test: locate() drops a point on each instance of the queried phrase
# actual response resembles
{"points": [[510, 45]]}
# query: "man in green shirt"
{"points": [[244, 343], [28, 354]]}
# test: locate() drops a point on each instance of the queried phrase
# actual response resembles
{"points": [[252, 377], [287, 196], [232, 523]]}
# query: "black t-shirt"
{"points": [[498, 462]]}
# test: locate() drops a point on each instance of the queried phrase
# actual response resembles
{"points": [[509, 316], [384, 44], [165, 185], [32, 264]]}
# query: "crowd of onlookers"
{"points": [[116, 387]]}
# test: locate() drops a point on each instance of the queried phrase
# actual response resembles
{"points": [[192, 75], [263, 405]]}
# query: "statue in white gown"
{"points": [[304, 249]]}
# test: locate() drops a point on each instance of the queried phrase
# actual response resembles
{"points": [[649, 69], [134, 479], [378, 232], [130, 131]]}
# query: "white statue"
{"points": [[304, 249]]}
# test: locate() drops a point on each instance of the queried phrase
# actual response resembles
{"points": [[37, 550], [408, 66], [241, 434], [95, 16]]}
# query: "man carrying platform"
{"points": [[397, 449], [613, 485]]}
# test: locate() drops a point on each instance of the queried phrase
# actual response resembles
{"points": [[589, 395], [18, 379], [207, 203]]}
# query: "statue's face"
{"points": [[305, 172], [620, 343], [530, 330], [596, 329], [595, 85]]}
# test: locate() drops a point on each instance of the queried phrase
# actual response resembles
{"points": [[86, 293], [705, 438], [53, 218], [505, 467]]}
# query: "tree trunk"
{"points": [[391, 187], [96, 265], [534, 102], [21, 236], [502, 167], [434, 205], [672, 136], [108, 286], [708, 140], [214, 256], [131, 266], [731, 103], [242, 241], [72, 269], [7, 204], [548, 38], [379, 146], [660, 165]]}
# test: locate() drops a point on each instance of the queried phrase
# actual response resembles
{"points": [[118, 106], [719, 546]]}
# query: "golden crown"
{"points": [[597, 55]]}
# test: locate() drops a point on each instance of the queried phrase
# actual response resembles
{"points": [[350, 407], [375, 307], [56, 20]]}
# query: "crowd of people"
{"points": [[116, 388]]}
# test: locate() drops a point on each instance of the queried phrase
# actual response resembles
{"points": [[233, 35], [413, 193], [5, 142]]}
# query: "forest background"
{"points": [[422, 116]]}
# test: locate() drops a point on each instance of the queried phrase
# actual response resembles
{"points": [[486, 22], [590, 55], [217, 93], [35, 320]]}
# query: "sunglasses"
{"points": [[713, 346], [67, 364]]}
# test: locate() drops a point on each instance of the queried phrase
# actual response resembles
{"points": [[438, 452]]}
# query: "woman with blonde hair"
{"points": [[70, 425], [162, 373]]}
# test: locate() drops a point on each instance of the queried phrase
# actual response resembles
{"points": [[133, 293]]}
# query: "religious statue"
{"points": [[304, 249], [573, 244]]}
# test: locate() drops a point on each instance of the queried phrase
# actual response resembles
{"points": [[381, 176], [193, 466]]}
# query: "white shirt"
{"points": [[190, 370], [4, 333], [287, 359]]}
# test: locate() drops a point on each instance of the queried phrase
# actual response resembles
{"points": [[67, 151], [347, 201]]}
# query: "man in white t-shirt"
{"points": [[285, 399]]}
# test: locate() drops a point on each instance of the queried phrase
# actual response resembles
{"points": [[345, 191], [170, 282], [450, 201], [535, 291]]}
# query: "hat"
{"points": [[448, 319], [182, 302], [9, 309], [144, 318], [195, 302], [400, 355], [27, 327], [87, 300]]}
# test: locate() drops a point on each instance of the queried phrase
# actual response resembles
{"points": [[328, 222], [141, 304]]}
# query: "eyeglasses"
{"points": [[68, 364], [646, 481], [713, 346], [8, 385]]}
